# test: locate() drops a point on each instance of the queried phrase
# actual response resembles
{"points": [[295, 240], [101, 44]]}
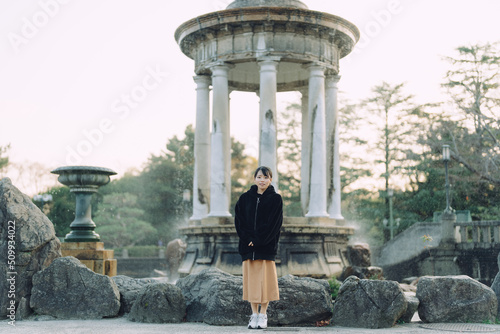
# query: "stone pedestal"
{"points": [[448, 220], [309, 246], [442, 262], [93, 255]]}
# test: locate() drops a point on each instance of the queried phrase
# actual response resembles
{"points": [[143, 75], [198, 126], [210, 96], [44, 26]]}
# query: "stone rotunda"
{"points": [[267, 47]]}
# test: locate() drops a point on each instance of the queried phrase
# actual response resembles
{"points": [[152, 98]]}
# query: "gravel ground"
{"points": [[122, 325]]}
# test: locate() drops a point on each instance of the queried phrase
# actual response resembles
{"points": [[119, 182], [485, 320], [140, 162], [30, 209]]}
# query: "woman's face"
{"points": [[262, 181]]}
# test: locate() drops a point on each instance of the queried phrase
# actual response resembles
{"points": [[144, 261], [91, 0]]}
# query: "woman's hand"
{"points": [[250, 244]]}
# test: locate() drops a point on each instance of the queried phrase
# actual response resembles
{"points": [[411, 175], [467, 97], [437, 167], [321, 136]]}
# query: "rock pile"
{"points": [[215, 297], [62, 287], [159, 303], [303, 301], [359, 257], [366, 303], [455, 299], [28, 245], [129, 289], [495, 286], [69, 290]]}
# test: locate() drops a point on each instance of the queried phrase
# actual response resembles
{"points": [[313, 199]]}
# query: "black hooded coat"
{"points": [[258, 219]]}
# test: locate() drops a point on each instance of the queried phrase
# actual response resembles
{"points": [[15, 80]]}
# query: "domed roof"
{"points": [[267, 3], [249, 30]]}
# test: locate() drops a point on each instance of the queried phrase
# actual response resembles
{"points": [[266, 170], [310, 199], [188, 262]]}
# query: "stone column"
{"points": [[332, 148], [268, 127], [448, 220], [220, 151], [201, 178], [305, 153], [316, 122]]}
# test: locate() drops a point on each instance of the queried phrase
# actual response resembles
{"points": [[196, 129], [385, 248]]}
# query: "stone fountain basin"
{"points": [[90, 177]]}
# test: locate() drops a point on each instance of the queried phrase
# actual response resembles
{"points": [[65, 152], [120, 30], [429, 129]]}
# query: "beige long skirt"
{"points": [[260, 281]]}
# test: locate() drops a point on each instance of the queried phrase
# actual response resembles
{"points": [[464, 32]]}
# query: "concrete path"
{"points": [[122, 325]]}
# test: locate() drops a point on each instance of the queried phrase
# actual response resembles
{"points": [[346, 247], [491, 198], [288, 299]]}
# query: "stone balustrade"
{"points": [[477, 234]]}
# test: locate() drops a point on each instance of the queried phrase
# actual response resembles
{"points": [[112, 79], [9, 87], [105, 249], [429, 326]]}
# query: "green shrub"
{"points": [[118, 252], [334, 287]]}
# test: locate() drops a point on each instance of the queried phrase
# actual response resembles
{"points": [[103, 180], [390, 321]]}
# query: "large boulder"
{"points": [[359, 255], [129, 290], [363, 303], [159, 303], [495, 286], [69, 290], [215, 297], [413, 302], [28, 245], [174, 253], [303, 301], [455, 299]]}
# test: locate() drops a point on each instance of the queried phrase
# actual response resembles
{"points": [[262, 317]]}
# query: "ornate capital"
{"points": [[202, 81], [332, 80]]}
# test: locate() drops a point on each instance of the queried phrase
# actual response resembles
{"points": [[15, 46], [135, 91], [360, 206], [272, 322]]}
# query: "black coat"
{"points": [[258, 219]]}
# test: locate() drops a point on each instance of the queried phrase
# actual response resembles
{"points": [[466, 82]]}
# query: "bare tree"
{"points": [[473, 130], [4, 160], [390, 112], [32, 177]]}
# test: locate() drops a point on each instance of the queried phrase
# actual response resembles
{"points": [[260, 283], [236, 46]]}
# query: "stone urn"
{"points": [[84, 181]]}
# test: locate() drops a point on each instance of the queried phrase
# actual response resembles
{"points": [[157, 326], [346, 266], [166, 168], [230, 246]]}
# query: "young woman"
{"points": [[258, 220]]}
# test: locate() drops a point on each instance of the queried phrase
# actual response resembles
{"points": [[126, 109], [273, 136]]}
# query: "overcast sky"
{"points": [[65, 67]]}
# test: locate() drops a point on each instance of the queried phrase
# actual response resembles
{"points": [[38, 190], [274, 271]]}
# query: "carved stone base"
{"points": [[312, 247], [93, 255]]}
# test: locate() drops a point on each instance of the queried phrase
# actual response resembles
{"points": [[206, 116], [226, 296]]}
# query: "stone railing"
{"points": [[478, 234]]}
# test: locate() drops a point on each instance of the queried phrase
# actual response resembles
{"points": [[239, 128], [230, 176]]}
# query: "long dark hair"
{"points": [[265, 170]]}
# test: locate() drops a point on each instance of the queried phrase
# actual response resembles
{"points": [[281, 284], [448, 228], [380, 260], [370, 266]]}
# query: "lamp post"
{"points": [[186, 198], [390, 194], [446, 159], [448, 218]]}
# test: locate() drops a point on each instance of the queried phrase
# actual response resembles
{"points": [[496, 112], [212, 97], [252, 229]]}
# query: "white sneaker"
{"points": [[254, 319], [262, 323]]}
